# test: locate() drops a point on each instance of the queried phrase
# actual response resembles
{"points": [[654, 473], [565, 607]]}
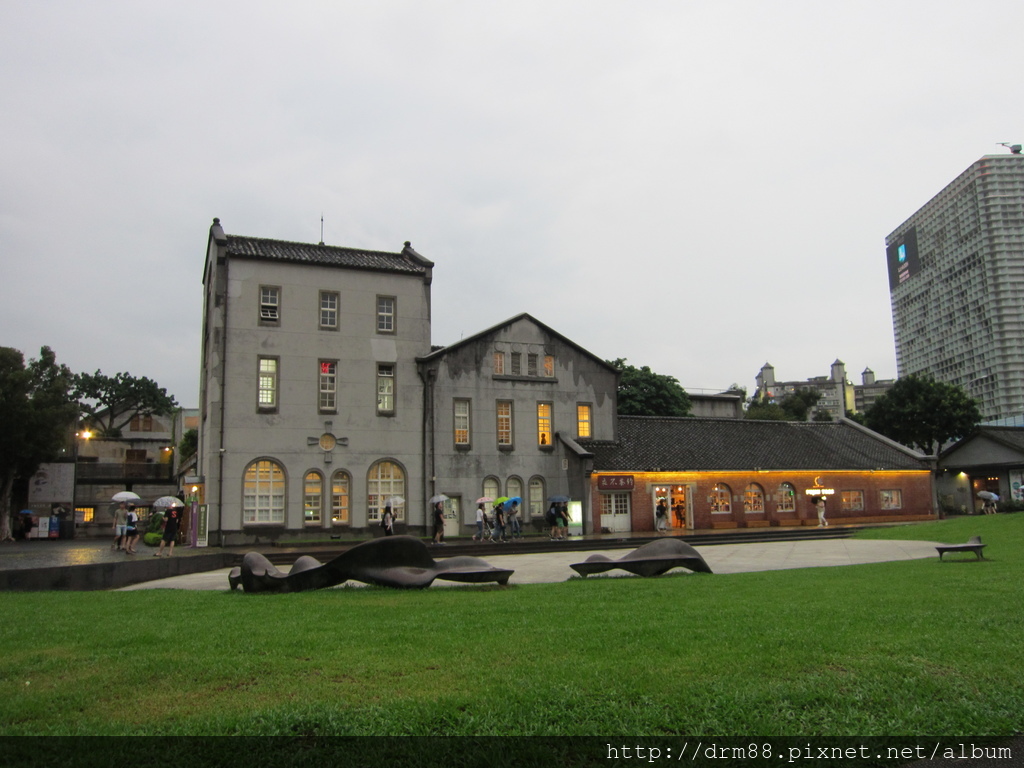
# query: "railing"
{"points": [[128, 471]]}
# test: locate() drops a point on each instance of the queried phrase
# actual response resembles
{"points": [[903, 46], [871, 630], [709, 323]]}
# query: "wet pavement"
{"points": [[534, 567]]}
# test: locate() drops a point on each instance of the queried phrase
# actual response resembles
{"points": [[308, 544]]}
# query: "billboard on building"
{"points": [[52, 483], [903, 258]]}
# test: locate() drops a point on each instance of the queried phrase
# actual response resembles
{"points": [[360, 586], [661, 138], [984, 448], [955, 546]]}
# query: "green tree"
{"points": [[793, 407], [37, 411], [111, 402], [923, 413], [642, 392], [189, 444], [764, 410], [798, 404]]}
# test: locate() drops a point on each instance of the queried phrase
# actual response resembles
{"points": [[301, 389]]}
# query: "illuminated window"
{"points": [[852, 501], [583, 420], [263, 493], [385, 388], [267, 397], [499, 363], [270, 304], [385, 482], [339, 498], [786, 498], [549, 366], [462, 422], [328, 385], [721, 499], [892, 499], [504, 423], [328, 310], [544, 424], [536, 500], [753, 498], [385, 314], [313, 498]]}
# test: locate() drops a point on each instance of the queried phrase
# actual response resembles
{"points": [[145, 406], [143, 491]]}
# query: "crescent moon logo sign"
{"points": [[817, 480]]}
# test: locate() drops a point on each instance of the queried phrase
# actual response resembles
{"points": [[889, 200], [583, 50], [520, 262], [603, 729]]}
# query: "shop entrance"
{"points": [[679, 499], [452, 516]]}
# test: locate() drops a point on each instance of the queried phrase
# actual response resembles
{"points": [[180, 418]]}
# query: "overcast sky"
{"points": [[700, 187]]}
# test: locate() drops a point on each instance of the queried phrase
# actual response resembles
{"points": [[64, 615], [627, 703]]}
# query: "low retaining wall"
{"points": [[115, 575]]}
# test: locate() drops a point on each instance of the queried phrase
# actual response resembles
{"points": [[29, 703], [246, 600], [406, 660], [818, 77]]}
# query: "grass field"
{"points": [[920, 647]]}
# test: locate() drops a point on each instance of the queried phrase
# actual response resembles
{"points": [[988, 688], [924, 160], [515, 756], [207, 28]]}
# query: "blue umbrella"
{"points": [[513, 500], [26, 511]]}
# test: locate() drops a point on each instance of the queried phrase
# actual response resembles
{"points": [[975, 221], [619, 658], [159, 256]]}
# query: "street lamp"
{"points": [[85, 434]]}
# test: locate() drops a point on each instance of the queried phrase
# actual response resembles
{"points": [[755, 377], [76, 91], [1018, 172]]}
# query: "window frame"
{"points": [[375, 485], [537, 497], [317, 505], [584, 426], [274, 388], [331, 378], [753, 499], [510, 444], [851, 500], [721, 493], [382, 376], [458, 428], [341, 497], [329, 326], [275, 509], [785, 491], [894, 499], [269, 311], [545, 425], [386, 314]]}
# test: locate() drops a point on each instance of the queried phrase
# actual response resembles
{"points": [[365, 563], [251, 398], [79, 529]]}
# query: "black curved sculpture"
{"points": [[393, 561], [652, 559]]}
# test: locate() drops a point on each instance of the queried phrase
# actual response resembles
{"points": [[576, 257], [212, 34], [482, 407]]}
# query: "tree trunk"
{"points": [[5, 506]]}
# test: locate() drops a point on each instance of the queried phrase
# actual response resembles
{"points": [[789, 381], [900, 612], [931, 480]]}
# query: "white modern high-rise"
{"points": [[956, 281]]}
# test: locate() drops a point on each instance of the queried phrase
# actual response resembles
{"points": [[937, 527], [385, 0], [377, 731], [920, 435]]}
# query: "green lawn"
{"points": [[908, 648]]}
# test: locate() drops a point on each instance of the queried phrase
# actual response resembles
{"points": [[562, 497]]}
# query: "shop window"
{"points": [[721, 499], [891, 499], [263, 493], [786, 498], [313, 498], [615, 503], [753, 499], [852, 501]]}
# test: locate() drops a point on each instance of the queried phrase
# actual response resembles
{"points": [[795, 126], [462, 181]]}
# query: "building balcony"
{"points": [[103, 472]]}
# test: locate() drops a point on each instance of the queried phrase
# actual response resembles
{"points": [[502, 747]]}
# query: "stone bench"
{"points": [[973, 545]]}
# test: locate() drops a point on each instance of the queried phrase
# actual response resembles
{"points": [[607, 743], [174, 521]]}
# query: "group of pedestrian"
{"points": [[557, 518], [502, 525], [126, 528]]}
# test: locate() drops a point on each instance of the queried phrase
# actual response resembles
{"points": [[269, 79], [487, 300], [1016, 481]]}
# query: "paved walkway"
{"points": [[723, 558]]}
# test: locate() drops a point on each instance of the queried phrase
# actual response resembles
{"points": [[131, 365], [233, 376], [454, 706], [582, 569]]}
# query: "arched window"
{"points": [[313, 498], [492, 488], [263, 493], [753, 498], [787, 498], [721, 498], [514, 487], [536, 500], [340, 485], [386, 480]]}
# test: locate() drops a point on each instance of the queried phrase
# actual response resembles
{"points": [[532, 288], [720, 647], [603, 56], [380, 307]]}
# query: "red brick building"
{"points": [[737, 473]]}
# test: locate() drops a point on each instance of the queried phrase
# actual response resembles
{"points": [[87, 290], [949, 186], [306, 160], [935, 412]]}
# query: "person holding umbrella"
{"points": [[438, 515], [120, 525], [172, 521]]}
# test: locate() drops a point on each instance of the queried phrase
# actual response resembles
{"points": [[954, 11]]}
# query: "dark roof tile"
{"points": [[325, 255]]}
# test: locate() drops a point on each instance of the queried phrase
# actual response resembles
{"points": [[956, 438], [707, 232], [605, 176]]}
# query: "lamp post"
{"points": [[85, 434]]}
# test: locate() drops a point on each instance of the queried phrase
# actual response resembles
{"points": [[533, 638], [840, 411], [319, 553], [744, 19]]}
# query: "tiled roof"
{"points": [[407, 261], [649, 443]]}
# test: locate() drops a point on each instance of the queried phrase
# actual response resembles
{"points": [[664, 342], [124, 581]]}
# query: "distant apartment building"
{"points": [[837, 394], [956, 277]]}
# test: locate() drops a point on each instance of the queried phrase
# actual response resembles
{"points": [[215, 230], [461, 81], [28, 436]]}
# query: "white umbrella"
{"points": [[393, 501], [168, 502], [439, 497], [988, 496], [126, 496]]}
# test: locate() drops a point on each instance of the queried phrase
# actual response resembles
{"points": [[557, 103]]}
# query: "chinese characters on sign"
{"points": [[615, 483]]}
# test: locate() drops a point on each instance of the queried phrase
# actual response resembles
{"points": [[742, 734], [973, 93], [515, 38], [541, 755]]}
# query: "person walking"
{"points": [[172, 521], [438, 515], [120, 525], [499, 523], [515, 530], [479, 535], [661, 516], [131, 534], [388, 521], [819, 506], [552, 518]]}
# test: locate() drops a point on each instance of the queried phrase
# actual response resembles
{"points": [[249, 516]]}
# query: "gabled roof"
{"points": [[649, 443], [407, 261], [442, 351], [1009, 438]]}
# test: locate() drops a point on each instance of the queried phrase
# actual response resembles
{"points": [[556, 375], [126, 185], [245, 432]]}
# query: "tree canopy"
{"points": [[923, 413], [111, 402], [642, 392], [37, 410]]}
